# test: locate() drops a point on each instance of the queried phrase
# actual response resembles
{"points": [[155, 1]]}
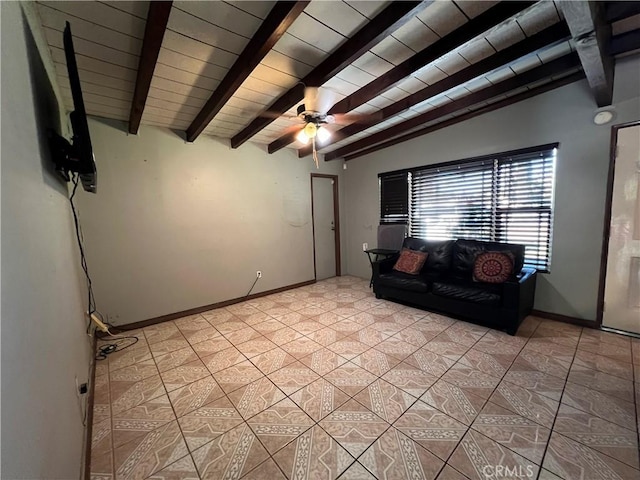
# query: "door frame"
{"points": [[606, 231], [336, 219]]}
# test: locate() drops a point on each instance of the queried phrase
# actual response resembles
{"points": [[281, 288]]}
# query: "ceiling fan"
{"points": [[314, 117]]}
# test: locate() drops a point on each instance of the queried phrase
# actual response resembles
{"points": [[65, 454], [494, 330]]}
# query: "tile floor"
{"points": [[326, 382]]}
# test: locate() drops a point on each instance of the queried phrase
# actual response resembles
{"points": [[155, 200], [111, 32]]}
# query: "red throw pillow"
{"points": [[410, 261], [493, 267]]}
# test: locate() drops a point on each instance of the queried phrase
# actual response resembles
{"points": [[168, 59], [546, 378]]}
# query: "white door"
{"points": [[324, 227], [622, 281]]}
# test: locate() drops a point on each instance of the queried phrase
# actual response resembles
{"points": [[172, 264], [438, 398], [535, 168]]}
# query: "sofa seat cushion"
{"points": [[457, 291], [403, 281]]}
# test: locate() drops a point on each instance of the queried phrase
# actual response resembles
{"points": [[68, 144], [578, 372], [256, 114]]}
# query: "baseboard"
{"points": [[581, 322], [225, 303], [90, 401]]}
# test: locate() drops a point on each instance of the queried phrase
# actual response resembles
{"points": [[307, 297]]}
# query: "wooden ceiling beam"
{"points": [[462, 35], [574, 77], [545, 38], [391, 18], [154, 29], [274, 26], [555, 67], [592, 35]]}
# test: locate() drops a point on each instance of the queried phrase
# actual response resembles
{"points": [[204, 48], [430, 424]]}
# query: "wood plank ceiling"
{"points": [[412, 67]]}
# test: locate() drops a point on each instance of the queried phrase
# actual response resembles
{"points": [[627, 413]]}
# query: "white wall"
{"points": [[176, 226], [563, 115], [43, 341]]}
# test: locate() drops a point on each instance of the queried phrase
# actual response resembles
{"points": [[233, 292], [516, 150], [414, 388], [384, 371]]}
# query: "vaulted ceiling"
{"points": [[237, 69]]}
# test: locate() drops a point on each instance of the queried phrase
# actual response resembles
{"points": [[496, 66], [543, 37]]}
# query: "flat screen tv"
{"points": [[75, 156]]}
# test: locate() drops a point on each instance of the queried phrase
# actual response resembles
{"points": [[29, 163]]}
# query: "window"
{"points": [[506, 198]]}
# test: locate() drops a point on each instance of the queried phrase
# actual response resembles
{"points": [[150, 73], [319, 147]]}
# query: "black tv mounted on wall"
{"points": [[75, 156]]}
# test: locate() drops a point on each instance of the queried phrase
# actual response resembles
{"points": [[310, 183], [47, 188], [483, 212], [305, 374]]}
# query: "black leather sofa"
{"points": [[445, 283]]}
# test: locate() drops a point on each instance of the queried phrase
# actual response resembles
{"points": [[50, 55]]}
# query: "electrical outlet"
{"points": [[258, 274], [365, 246]]}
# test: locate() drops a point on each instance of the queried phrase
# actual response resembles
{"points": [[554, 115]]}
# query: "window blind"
{"points": [[394, 198], [504, 198]]}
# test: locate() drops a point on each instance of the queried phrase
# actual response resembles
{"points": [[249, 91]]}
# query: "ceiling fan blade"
{"points": [[318, 99], [270, 114], [349, 118]]}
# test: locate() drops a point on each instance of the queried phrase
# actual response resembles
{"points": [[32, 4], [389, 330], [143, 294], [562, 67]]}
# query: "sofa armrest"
{"points": [[519, 294], [383, 266]]}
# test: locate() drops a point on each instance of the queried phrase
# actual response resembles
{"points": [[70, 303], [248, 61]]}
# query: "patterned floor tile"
{"points": [[394, 456], [124, 358], [217, 316], [396, 347], [529, 360], [307, 326], [323, 361], [237, 376], [282, 335], [241, 335], [537, 382], [488, 344], [621, 354], [466, 334], [327, 318], [375, 362], [603, 382], [319, 399], [230, 455], [356, 472], [369, 336], [443, 345], [313, 455], [134, 373], [256, 397], [243, 309], [301, 347], [606, 337], [476, 381], [223, 359], [430, 362], [492, 363], [387, 327], [140, 420], [272, 360], [547, 475], [268, 326], [606, 437], [256, 318], [604, 364], [197, 336], [604, 406], [414, 336], [175, 359], [128, 394], [191, 323], [102, 451], [457, 402], [526, 403], [169, 345], [195, 395], [211, 346], [572, 460], [409, 378], [347, 326], [385, 400], [545, 347], [161, 332], [266, 470], [293, 377], [183, 469], [479, 457], [292, 319], [184, 375], [255, 347], [437, 432], [510, 430], [350, 378], [326, 336], [354, 426], [234, 325], [208, 422], [142, 457], [348, 348], [450, 473], [280, 424]]}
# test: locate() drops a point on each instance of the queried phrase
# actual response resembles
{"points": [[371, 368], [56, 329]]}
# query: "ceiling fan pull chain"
{"points": [[315, 154]]}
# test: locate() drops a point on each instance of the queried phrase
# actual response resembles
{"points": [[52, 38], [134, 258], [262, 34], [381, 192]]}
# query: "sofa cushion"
{"points": [[456, 291], [410, 261], [403, 281], [465, 252], [440, 253], [493, 267]]}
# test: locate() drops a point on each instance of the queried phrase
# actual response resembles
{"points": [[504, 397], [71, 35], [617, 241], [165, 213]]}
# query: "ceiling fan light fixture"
{"points": [[323, 134], [302, 137], [310, 130]]}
